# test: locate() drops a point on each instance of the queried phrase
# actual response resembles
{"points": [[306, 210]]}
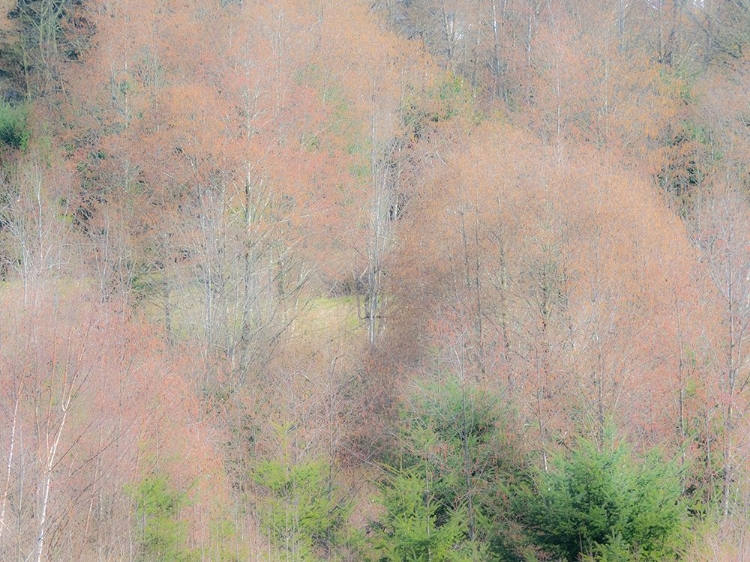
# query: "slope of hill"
{"points": [[341, 280]]}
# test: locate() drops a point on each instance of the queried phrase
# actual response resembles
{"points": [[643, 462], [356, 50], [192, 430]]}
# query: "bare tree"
{"points": [[723, 234]]}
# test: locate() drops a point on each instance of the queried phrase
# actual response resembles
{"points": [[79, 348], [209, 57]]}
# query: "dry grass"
{"points": [[7, 24]]}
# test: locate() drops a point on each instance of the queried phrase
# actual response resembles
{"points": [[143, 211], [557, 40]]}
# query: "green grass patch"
{"points": [[323, 318]]}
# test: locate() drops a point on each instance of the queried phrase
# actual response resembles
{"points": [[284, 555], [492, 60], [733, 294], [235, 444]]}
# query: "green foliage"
{"points": [[14, 130], [616, 550], [162, 534], [302, 511], [604, 504], [226, 542], [454, 429], [452, 436], [410, 531]]}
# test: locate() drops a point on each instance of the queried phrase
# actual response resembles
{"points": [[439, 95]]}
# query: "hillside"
{"points": [[430, 280]]}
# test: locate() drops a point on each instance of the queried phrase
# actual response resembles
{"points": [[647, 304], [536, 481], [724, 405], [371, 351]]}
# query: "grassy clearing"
{"points": [[62, 289], [327, 318], [314, 321]]}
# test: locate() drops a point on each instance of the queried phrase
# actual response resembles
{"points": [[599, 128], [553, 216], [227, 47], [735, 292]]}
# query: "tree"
{"points": [[723, 236], [446, 480], [303, 513], [604, 503], [162, 534], [409, 530]]}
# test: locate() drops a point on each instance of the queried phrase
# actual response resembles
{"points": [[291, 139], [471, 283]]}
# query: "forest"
{"points": [[383, 280]]}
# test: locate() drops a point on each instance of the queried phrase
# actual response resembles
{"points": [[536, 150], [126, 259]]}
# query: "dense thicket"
{"points": [[340, 280]]}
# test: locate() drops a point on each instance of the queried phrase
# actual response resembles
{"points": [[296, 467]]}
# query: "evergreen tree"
{"points": [[605, 504]]}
